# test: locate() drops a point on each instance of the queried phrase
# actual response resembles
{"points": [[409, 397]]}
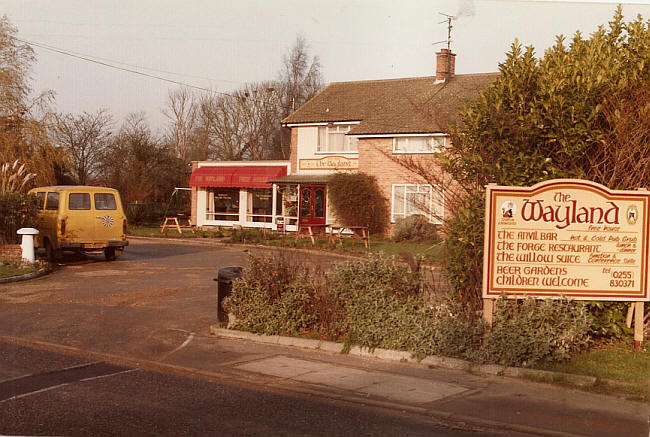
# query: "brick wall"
{"points": [[11, 252], [376, 158], [293, 150]]}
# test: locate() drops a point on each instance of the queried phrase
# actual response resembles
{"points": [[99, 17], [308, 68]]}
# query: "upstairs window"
{"points": [[419, 144], [333, 139]]}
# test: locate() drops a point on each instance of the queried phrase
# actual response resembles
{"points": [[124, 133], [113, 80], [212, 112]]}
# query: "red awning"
{"points": [[242, 176]]}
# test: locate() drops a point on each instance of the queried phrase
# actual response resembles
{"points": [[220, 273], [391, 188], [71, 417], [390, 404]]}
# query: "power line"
{"points": [[104, 63], [49, 47]]}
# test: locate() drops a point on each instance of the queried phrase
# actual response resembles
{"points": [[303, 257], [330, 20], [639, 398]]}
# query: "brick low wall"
{"points": [[11, 252]]}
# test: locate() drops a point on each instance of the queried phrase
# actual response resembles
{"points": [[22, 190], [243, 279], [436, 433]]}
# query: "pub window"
{"points": [[335, 138], [223, 204], [425, 200], [419, 144], [260, 205]]}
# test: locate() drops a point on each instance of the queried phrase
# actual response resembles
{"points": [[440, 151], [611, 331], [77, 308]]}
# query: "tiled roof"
{"points": [[412, 105]]}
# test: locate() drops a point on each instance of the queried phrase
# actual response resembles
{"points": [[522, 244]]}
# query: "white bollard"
{"points": [[27, 243]]}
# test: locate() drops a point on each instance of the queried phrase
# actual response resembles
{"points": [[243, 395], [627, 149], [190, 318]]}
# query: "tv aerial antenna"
{"points": [[448, 20]]}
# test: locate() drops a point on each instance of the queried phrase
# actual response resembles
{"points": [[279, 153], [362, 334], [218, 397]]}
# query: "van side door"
{"points": [[80, 218], [109, 216]]}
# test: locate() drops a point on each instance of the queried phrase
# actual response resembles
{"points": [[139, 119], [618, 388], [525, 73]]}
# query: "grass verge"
{"points": [[433, 253], [9, 270], [618, 367]]}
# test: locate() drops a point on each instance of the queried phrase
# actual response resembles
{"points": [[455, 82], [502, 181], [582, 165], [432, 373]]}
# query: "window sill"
{"points": [[337, 153], [399, 152]]}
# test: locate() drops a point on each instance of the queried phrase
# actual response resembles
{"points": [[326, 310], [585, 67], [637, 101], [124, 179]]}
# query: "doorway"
{"points": [[312, 204]]}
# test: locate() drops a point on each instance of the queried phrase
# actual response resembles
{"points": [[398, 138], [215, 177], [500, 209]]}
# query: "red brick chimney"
{"points": [[445, 65]]}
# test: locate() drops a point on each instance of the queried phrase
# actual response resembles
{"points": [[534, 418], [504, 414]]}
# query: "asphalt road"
{"points": [[104, 400], [141, 307]]}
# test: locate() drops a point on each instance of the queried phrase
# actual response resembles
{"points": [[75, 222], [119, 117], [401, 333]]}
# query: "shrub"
{"points": [[381, 302], [244, 235], [357, 201], [608, 319], [274, 296], [415, 227], [148, 213], [531, 331], [17, 210], [377, 302]]}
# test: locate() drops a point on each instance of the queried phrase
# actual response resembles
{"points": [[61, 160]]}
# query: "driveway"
{"points": [[142, 305], [137, 305]]}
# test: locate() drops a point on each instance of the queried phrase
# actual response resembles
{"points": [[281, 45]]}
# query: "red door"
{"points": [[312, 205]]}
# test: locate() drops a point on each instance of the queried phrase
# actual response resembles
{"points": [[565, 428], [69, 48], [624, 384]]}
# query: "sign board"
{"points": [[566, 237], [330, 163]]}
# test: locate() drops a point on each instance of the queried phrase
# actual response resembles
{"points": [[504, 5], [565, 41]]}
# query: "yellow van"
{"points": [[81, 219]]}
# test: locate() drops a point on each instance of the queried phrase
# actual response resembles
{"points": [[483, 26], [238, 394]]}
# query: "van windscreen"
{"points": [[105, 201], [79, 201]]}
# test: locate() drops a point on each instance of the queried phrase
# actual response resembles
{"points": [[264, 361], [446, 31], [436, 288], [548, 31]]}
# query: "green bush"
{"points": [[357, 201], [377, 302], [415, 227], [150, 213], [608, 319], [244, 235], [530, 331], [274, 296], [17, 210], [381, 303]]}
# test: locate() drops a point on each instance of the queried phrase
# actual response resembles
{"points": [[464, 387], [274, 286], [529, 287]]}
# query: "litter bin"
{"points": [[224, 279]]}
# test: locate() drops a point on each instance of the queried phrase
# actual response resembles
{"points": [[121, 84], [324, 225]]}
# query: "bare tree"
{"points": [[138, 164], [247, 124], [84, 138], [242, 126], [301, 77], [299, 81], [182, 132]]}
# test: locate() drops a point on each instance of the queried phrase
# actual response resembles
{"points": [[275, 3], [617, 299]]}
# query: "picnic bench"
{"points": [[337, 233], [311, 231], [172, 222]]}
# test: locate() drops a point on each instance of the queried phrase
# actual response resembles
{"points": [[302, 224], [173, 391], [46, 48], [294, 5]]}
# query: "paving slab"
{"points": [[284, 367], [412, 390], [382, 384], [345, 378]]}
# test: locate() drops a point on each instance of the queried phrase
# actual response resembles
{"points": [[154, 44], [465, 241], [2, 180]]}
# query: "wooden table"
{"points": [[356, 232], [311, 231], [172, 222]]}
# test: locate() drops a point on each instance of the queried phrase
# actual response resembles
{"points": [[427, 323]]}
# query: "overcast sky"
{"points": [[221, 44]]}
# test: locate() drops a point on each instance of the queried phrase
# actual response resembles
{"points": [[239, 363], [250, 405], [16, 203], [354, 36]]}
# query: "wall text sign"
{"points": [[566, 237], [330, 163]]}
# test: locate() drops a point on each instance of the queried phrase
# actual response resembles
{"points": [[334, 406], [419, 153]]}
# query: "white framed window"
{"points": [[333, 139], [419, 144], [411, 199]]}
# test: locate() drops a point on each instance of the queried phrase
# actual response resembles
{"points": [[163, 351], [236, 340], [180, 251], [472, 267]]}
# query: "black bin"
{"points": [[224, 279]]}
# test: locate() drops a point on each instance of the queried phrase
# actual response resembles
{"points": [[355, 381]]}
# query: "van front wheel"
{"points": [[109, 254]]}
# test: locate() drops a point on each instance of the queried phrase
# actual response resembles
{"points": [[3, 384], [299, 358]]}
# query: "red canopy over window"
{"points": [[242, 176]]}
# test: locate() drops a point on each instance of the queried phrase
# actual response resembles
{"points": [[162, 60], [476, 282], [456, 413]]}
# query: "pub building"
{"points": [[366, 126]]}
